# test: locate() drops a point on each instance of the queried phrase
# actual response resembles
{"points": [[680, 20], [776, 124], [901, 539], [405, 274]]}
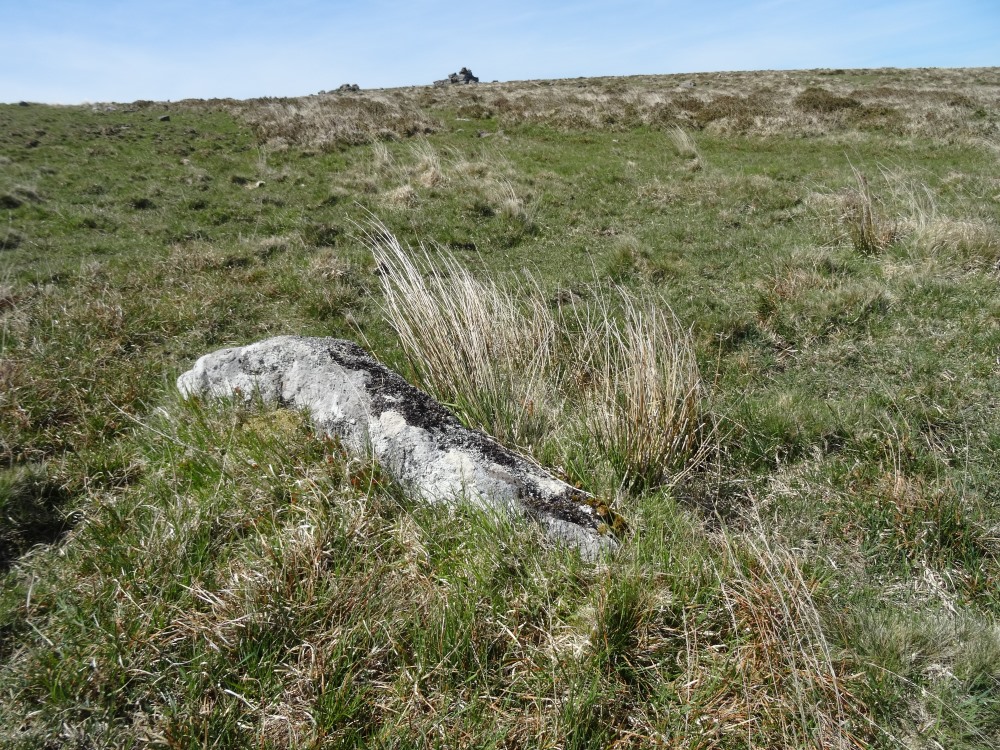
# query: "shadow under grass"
{"points": [[31, 512]]}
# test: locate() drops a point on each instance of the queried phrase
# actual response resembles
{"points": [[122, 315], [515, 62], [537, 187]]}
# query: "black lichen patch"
{"points": [[389, 391]]}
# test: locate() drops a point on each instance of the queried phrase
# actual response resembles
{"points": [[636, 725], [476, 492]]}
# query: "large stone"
{"points": [[464, 76], [375, 412]]}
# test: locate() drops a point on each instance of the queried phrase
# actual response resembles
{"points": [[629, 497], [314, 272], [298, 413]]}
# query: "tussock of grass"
{"points": [[972, 241], [404, 196], [788, 656], [508, 204], [927, 230], [686, 147], [427, 167], [869, 229], [625, 373], [470, 342], [644, 402]]}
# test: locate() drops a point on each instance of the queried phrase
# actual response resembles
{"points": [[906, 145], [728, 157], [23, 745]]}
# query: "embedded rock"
{"points": [[374, 411]]}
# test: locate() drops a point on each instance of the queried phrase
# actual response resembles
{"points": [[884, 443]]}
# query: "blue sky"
{"points": [[62, 51]]}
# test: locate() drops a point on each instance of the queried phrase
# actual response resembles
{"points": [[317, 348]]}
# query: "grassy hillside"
{"points": [[818, 567]]}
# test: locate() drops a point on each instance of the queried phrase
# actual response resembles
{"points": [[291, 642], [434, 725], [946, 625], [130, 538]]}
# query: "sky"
{"points": [[70, 52]]}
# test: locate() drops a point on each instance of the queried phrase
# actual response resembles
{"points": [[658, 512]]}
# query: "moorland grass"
{"points": [[825, 244]]}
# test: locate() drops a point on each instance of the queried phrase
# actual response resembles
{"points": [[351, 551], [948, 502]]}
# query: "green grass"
{"points": [[187, 574]]}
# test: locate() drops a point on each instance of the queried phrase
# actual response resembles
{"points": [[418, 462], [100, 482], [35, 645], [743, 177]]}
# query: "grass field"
{"points": [[815, 562]]}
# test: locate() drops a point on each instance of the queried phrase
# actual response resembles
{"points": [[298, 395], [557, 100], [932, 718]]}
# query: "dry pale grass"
{"points": [[382, 160], [622, 368], [427, 167], [943, 103], [331, 266], [404, 196], [502, 194], [468, 340], [686, 148], [950, 105], [659, 194], [324, 122], [683, 143], [910, 213], [486, 178], [789, 684], [643, 402], [972, 241], [868, 227]]}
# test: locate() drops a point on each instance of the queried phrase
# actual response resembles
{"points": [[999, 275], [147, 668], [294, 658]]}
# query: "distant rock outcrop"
{"points": [[349, 87], [463, 76], [375, 412]]}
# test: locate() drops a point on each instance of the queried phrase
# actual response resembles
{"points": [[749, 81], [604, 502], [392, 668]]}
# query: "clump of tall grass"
{"points": [[508, 203], [404, 196], [870, 230], [619, 374], [469, 341], [931, 230], [643, 404], [427, 168], [795, 687], [382, 158], [686, 148], [921, 222], [973, 241]]}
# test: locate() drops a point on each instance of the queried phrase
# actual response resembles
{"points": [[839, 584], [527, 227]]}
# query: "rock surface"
{"points": [[464, 76], [374, 411]]}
